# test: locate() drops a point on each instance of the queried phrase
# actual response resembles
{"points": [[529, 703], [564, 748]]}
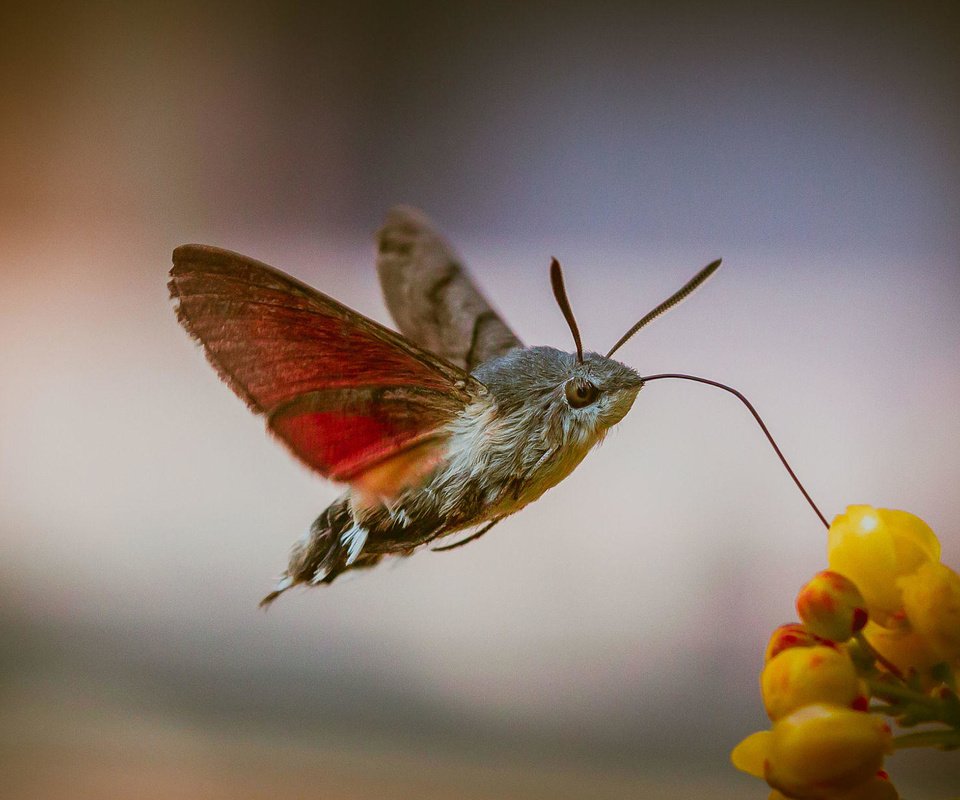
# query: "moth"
{"points": [[451, 426]]}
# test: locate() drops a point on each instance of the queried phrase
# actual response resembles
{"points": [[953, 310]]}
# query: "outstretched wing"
{"points": [[430, 294], [349, 397]]}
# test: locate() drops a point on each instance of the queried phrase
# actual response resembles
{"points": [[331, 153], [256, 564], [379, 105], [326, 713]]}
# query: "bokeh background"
{"points": [[604, 643]]}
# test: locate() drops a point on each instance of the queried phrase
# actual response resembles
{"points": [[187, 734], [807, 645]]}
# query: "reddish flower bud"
{"points": [[803, 675], [793, 634], [832, 607]]}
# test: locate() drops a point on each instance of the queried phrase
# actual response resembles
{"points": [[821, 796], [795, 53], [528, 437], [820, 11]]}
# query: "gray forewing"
{"points": [[430, 294]]}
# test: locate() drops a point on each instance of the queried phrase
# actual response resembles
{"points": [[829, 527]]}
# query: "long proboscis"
{"points": [[681, 294], [760, 422], [560, 292]]}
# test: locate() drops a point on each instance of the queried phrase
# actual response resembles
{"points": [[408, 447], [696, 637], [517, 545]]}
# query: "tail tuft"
{"points": [[265, 603], [283, 584], [320, 556]]}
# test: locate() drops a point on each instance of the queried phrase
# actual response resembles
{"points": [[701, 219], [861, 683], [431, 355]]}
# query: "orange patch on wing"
{"points": [[390, 477]]}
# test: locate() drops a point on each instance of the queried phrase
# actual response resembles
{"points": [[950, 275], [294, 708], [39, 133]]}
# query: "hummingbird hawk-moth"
{"points": [[451, 426]]}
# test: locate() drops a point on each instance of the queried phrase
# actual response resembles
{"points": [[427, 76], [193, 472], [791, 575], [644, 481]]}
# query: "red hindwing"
{"points": [[343, 392]]}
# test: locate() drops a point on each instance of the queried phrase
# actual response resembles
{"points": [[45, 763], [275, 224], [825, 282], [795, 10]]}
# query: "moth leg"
{"points": [[472, 537], [519, 482]]}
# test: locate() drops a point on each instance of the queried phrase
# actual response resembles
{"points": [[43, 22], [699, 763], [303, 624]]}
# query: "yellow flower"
{"points": [[875, 789], [865, 735], [931, 599], [823, 751], [875, 546], [831, 606], [800, 676], [906, 648]]}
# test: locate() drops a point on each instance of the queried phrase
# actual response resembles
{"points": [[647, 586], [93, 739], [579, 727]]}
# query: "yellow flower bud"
{"points": [[822, 751], [750, 755], [800, 676], [931, 599], [832, 607], [793, 634], [875, 546]]}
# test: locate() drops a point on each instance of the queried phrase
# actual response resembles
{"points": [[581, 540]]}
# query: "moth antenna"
{"points": [[688, 288], [556, 280]]}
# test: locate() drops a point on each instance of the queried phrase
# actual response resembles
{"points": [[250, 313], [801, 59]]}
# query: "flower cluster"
{"points": [[879, 638]]}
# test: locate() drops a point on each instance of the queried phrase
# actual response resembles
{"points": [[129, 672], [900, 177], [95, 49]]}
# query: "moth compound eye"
{"points": [[581, 392]]}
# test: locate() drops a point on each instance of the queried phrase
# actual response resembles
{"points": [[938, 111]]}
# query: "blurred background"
{"points": [[604, 643]]}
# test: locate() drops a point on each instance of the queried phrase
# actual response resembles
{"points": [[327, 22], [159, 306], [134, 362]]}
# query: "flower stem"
{"points": [[927, 739], [901, 693]]}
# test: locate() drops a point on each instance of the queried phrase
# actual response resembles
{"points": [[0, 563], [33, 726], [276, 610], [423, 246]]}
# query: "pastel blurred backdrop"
{"points": [[604, 643]]}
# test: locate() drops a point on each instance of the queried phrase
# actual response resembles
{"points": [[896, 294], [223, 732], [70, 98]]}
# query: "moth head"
{"points": [[598, 386], [599, 390]]}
